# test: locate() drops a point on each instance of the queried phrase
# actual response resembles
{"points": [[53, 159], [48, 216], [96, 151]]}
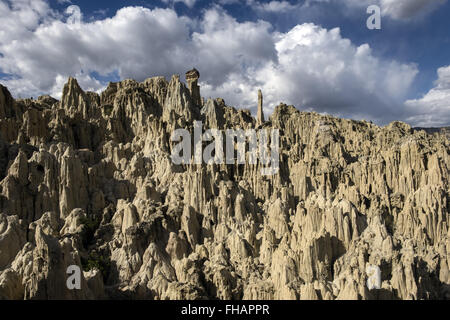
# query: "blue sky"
{"points": [[290, 49]]}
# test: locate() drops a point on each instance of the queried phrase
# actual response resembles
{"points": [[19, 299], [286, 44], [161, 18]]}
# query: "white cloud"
{"points": [[395, 9], [272, 6], [309, 66], [433, 109], [317, 68], [188, 3], [406, 9], [136, 42], [21, 17], [224, 46]]}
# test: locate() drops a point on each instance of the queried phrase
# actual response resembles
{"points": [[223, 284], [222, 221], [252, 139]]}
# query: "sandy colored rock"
{"points": [[89, 181]]}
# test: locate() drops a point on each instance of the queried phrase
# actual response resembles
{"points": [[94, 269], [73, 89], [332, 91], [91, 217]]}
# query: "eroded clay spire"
{"points": [[260, 118], [192, 77]]}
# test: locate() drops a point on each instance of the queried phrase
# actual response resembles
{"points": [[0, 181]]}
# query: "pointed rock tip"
{"points": [[193, 73], [72, 83], [71, 87], [72, 80], [4, 91]]}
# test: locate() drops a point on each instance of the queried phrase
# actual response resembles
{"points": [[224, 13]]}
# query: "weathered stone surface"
{"points": [[88, 181], [12, 238]]}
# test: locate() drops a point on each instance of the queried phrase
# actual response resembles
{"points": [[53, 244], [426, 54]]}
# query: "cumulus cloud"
{"points": [[272, 6], [395, 9], [224, 46], [317, 69], [433, 109], [406, 9], [136, 42], [310, 67], [188, 3], [21, 16]]}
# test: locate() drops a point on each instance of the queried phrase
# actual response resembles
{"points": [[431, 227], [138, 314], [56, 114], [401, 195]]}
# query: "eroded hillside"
{"points": [[89, 181]]}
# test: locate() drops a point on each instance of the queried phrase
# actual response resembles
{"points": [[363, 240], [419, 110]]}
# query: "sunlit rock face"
{"points": [[89, 181]]}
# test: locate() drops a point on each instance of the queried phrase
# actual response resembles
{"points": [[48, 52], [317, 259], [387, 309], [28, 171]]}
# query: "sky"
{"points": [[317, 55]]}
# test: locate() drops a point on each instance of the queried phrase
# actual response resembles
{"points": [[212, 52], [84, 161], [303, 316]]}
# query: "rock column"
{"points": [[192, 77], [260, 108]]}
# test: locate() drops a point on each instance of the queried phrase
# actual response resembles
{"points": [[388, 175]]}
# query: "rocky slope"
{"points": [[444, 130], [89, 181]]}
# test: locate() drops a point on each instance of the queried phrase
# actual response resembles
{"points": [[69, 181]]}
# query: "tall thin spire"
{"points": [[192, 77], [260, 118]]}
